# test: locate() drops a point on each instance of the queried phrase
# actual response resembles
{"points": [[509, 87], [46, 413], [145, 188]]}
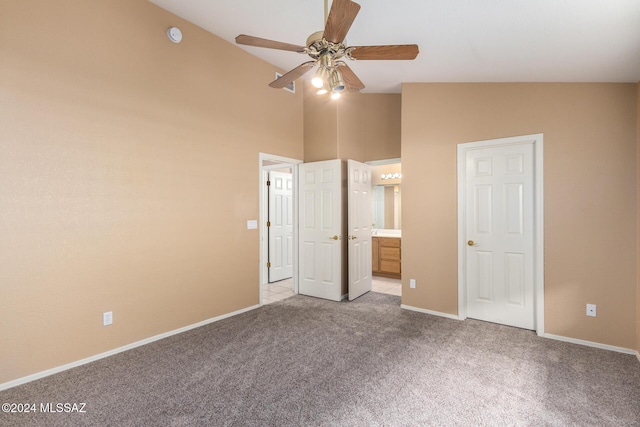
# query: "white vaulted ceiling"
{"points": [[459, 40]]}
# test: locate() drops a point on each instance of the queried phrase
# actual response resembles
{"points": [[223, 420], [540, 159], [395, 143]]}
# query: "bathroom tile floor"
{"points": [[387, 285], [276, 291], [283, 289]]}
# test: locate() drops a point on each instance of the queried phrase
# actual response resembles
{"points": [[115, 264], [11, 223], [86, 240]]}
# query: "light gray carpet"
{"points": [[305, 361]]}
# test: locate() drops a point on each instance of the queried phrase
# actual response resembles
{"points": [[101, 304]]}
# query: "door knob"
{"points": [[471, 243], [353, 237], [334, 237]]}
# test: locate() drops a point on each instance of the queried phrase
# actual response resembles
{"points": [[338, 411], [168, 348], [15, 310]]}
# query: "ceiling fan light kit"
{"points": [[327, 49], [335, 81], [318, 80]]}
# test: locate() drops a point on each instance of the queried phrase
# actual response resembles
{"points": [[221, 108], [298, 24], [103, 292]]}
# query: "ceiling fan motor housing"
{"points": [[318, 47], [314, 38]]}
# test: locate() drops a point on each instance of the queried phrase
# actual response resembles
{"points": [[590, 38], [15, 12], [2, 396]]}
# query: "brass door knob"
{"points": [[471, 243], [353, 237], [334, 237]]}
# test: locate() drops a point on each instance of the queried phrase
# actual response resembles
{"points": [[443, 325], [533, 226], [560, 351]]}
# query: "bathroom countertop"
{"points": [[387, 233]]}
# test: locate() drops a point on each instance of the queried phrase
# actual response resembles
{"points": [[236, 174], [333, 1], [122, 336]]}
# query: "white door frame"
{"points": [[538, 222], [262, 201]]}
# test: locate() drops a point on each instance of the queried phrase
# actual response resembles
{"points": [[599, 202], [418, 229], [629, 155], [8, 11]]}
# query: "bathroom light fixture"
{"points": [[391, 176]]}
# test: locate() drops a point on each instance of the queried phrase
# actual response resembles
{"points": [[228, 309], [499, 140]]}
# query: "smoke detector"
{"points": [[174, 34]]}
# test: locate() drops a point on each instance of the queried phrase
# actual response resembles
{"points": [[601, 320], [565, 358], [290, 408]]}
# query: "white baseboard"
{"points": [[425, 311], [544, 335], [90, 359], [592, 344]]}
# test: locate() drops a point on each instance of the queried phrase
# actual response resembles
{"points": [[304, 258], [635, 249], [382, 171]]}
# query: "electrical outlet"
{"points": [[107, 318], [591, 310], [412, 283]]}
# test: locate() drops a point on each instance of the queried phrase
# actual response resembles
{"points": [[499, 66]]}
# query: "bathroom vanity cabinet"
{"points": [[386, 260]]}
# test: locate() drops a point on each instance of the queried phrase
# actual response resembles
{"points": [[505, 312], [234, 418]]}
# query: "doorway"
{"points": [[334, 229], [322, 210], [500, 231], [387, 225], [279, 224], [278, 289]]}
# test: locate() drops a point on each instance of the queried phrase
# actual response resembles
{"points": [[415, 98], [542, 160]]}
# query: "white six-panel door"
{"points": [[320, 229], [280, 226], [499, 224], [359, 210]]}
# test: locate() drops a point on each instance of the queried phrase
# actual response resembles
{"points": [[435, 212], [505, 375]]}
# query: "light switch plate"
{"points": [[252, 224], [107, 318]]}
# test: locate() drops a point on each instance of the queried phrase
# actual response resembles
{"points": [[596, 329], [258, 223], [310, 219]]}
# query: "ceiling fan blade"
{"points": [[271, 44], [402, 51], [352, 81], [341, 16], [286, 79]]}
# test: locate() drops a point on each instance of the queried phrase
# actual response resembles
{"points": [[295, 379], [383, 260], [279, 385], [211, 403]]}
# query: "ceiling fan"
{"points": [[327, 50]]}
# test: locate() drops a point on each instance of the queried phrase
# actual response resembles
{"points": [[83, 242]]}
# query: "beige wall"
{"points": [[129, 168], [351, 124], [382, 123], [358, 126], [589, 195], [320, 125]]}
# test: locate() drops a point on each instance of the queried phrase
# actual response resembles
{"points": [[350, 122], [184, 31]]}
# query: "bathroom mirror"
{"points": [[386, 207], [386, 178]]}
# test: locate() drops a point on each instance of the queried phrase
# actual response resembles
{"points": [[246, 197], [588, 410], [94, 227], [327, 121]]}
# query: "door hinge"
{"points": [[268, 265], [268, 183], [268, 223]]}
